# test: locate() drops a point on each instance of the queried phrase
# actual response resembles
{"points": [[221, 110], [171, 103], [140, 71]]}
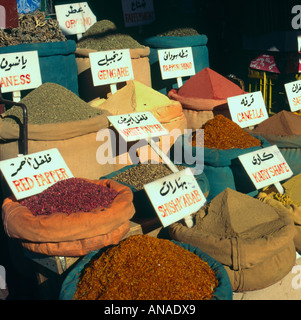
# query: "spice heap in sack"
{"points": [[284, 123], [141, 174], [254, 241], [104, 35], [33, 28], [146, 268], [71, 230], [52, 103], [222, 133], [69, 196]]}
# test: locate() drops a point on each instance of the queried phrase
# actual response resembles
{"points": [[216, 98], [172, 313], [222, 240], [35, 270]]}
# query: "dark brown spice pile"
{"points": [[223, 133], [142, 267], [69, 196]]}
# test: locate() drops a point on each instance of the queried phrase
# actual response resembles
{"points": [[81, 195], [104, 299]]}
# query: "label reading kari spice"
{"points": [[247, 109], [175, 196], [175, 63], [31, 174], [110, 67], [19, 71], [266, 166], [293, 93], [138, 125]]}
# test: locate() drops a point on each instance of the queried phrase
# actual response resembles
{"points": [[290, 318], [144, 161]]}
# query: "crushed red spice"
{"points": [[69, 196], [223, 133], [143, 267]]}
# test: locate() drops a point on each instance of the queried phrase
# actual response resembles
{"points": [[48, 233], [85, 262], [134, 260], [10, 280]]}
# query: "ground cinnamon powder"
{"points": [[223, 133], [142, 267]]}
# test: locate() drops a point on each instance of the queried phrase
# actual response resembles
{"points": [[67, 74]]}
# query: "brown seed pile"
{"points": [[141, 174], [69, 196], [223, 133], [33, 28], [142, 267]]}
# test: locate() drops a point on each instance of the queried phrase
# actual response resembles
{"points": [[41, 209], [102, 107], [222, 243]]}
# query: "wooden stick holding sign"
{"points": [[111, 67], [265, 167], [176, 63]]}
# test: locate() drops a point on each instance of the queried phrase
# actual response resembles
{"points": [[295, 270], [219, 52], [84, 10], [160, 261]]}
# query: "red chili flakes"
{"points": [[142, 267], [68, 196]]}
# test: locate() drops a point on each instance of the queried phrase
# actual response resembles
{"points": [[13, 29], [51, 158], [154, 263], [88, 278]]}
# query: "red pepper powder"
{"points": [[69, 196], [208, 84]]}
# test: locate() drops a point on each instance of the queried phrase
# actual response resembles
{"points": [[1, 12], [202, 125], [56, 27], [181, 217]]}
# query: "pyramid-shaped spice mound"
{"points": [[205, 90]]}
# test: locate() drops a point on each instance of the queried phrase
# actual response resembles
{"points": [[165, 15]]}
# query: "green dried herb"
{"points": [[52, 103]]}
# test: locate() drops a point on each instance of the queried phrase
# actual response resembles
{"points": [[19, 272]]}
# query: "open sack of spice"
{"points": [[71, 217], [105, 36], [136, 269], [138, 97], [289, 202], [284, 130], [57, 118], [205, 95], [253, 240], [220, 143], [136, 176]]}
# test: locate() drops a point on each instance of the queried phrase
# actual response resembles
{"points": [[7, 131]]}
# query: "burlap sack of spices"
{"points": [[205, 95], [57, 118], [87, 90], [284, 130], [72, 234], [137, 97], [254, 241], [289, 201]]}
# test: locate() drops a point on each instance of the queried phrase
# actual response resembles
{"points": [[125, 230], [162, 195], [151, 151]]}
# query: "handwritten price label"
{"points": [[293, 93], [137, 125], [33, 173], [266, 166], [175, 196], [175, 63], [247, 109], [111, 66], [75, 18], [20, 71]]}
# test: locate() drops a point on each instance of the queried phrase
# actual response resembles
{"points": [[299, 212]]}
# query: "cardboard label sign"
{"points": [[19, 71], [293, 93], [75, 18], [175, 63], [137, 13], [175, 196], [31, 174], [138, 125], [247, 109], [266, 166], [111, 66]]}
